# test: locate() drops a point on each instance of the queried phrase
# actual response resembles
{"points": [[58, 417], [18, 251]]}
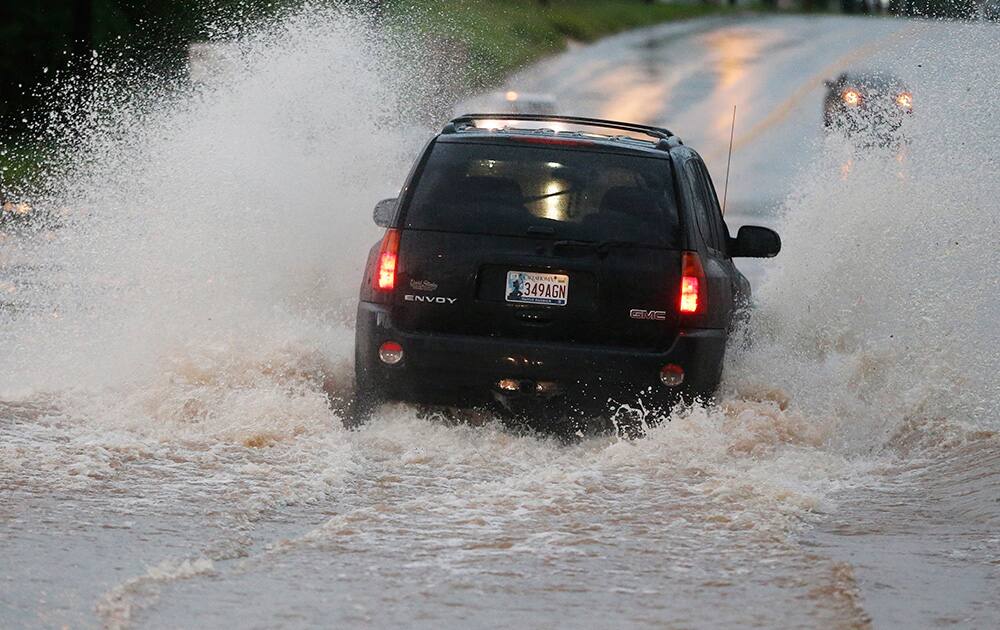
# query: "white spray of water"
{"points": [[215, 235], [883, 308]]}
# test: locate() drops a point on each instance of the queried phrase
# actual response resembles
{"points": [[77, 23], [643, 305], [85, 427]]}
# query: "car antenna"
{"points": [[729, 160]]}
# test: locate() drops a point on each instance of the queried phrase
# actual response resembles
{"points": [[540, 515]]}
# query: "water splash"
{"points": [[882, 308], [201, 222]]}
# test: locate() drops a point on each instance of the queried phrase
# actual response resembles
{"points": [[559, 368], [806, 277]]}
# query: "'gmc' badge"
{"points": [[639, 313]]}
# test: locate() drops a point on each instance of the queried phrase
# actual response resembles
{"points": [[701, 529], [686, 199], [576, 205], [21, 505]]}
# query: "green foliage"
{"points": [[18, 164], [586, 21], [503, 35], [498, 36]]}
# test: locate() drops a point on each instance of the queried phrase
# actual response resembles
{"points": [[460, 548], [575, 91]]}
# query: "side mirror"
{"points": [[755, 242], [385, 211], [829, 83]]}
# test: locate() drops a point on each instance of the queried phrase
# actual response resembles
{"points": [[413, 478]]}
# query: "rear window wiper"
{"points": [[541, 230], [601, 247]]}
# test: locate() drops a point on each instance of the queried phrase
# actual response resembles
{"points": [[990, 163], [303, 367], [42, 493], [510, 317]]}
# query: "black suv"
{"points": [[536, 258]]}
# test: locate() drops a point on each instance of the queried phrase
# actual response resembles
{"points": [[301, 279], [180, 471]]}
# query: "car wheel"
{"points": [[367, 395]]}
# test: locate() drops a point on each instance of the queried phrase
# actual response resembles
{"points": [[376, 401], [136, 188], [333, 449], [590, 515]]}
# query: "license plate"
{"points": [[528, 287]]}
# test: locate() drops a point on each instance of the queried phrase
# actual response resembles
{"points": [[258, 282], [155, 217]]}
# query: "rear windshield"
{"points": [[565, 194]]}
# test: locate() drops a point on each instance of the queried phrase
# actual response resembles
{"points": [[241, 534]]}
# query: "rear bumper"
{"points": [[471, 366]]}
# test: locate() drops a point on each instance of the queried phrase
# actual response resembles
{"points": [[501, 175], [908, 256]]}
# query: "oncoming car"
{"points": [[570, 267], [513, 102], [867, 106]]}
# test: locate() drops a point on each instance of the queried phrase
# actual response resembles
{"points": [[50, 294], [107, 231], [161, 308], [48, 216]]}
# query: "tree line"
{"points": [[39, 38]]}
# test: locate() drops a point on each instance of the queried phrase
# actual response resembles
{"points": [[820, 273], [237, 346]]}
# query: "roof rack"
{"points": [[657, 133]]}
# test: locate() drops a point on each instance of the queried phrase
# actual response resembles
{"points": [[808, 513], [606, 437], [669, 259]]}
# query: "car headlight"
{"points": [[851, 97]]}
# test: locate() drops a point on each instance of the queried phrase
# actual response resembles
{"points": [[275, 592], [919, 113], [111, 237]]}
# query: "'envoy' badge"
{"points": [[429, 299]]}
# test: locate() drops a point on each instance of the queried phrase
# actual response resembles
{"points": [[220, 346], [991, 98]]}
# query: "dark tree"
{"points": [[83, 27]]}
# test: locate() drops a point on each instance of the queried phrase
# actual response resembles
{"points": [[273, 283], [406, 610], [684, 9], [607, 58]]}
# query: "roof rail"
{"points": [[658, 133]]}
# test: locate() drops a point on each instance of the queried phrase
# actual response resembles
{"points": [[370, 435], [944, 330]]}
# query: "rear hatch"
{"points": [[541, 242]]}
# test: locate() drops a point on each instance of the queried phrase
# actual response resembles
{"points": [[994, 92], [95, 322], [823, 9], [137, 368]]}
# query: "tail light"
{"points": [[692, 298], [851, 97], [388, 259]]}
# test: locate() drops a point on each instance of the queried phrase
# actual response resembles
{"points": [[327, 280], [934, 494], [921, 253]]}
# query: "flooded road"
{"points": [[169, 456], [413, 522]]}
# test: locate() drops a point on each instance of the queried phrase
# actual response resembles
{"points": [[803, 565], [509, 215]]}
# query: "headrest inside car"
{"points": [[635, 202]]}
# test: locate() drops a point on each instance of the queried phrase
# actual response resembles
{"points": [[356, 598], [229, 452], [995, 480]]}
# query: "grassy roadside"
{"points": [[21, 162], [501, 36]]}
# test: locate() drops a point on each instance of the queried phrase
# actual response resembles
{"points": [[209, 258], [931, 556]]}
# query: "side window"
{"points": [[705, 206], [702, 202], [714, 212]]}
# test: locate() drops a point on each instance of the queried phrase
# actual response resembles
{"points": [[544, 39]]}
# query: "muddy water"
{"points": [[414, 521], [169, 456]]}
